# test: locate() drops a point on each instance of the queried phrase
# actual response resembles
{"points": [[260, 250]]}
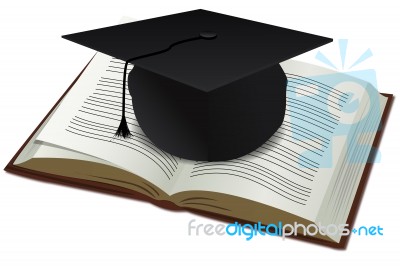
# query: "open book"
{"points": [[308, 172]]}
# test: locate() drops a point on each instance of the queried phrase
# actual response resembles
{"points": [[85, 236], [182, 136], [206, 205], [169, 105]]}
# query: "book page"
{"points": [[338, 201], [293, 169], [89, 115]]}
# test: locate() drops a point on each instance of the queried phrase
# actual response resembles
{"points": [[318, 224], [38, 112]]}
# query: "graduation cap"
{"points": [[205, 86]]}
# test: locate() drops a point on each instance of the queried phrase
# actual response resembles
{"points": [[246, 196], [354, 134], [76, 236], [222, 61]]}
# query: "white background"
{"points": [[45, 224]]}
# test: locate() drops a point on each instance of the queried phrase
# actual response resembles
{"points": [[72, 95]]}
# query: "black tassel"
{"points": [[123, 130]]}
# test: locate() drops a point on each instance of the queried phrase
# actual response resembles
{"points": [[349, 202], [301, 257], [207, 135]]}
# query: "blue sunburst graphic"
{"points": [[343, 52]]}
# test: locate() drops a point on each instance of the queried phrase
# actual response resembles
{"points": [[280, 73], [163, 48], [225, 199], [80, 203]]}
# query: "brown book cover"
{"points": [[119, 191]]}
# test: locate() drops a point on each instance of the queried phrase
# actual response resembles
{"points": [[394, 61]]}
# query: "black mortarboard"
{"points": [[205, 86]]}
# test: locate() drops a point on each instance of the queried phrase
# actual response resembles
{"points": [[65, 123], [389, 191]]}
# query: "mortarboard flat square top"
{"points": [[207, 98], [242, 46]]}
